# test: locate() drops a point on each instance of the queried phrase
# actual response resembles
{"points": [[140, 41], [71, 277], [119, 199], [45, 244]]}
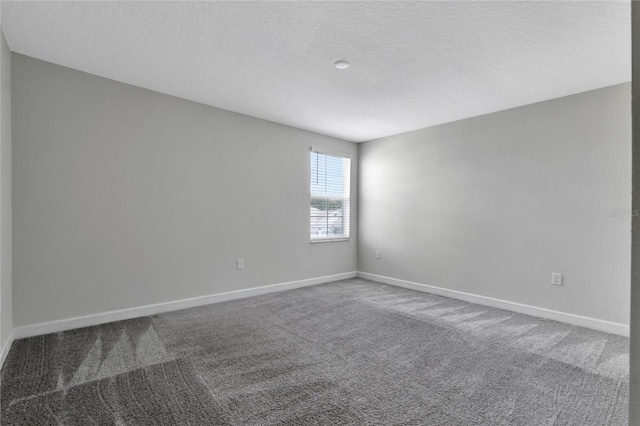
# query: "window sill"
{"points": [[329, 240]]}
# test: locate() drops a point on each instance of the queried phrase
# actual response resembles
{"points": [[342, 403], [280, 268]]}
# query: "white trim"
{"points": [[329, 240], [6, 347], [141, 311], [579, 320], [332, 153]]}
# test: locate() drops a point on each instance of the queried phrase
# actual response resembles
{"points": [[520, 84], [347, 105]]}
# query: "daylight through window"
{"points": [[330, 197]]}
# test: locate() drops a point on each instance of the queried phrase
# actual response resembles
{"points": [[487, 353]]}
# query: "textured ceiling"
{"points": [[413, 64]]}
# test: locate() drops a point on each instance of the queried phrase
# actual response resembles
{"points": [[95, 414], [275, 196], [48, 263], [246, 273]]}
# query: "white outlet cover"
{"points": [[556, 278], [240, 263]]}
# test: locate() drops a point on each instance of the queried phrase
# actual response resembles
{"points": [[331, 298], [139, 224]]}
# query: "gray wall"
{"points": [[634, 352], [493, 205], [6, 316], [125, 197]]}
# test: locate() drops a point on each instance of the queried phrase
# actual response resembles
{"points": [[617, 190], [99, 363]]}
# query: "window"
{"points": [[330, 197]]}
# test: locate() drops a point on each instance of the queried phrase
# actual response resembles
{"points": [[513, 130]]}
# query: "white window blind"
{"points": [[330, 197]]}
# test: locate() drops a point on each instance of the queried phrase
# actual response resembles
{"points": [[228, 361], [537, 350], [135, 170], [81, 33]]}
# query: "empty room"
{"points": [[319, 213]]}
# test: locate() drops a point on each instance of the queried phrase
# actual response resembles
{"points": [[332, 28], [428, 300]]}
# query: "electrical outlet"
{"points": [[378, 254], [240, 264], [556, 278]]}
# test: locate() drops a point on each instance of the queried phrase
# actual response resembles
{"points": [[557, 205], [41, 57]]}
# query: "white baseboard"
{"points": [[588, 322], [5, 349], [141, 311]]}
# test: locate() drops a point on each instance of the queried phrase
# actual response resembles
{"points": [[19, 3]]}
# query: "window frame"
{"points": [[332, 154]]}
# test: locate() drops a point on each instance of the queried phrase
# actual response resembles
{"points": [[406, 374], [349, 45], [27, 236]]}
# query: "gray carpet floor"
{"points": [[349, 352]]}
